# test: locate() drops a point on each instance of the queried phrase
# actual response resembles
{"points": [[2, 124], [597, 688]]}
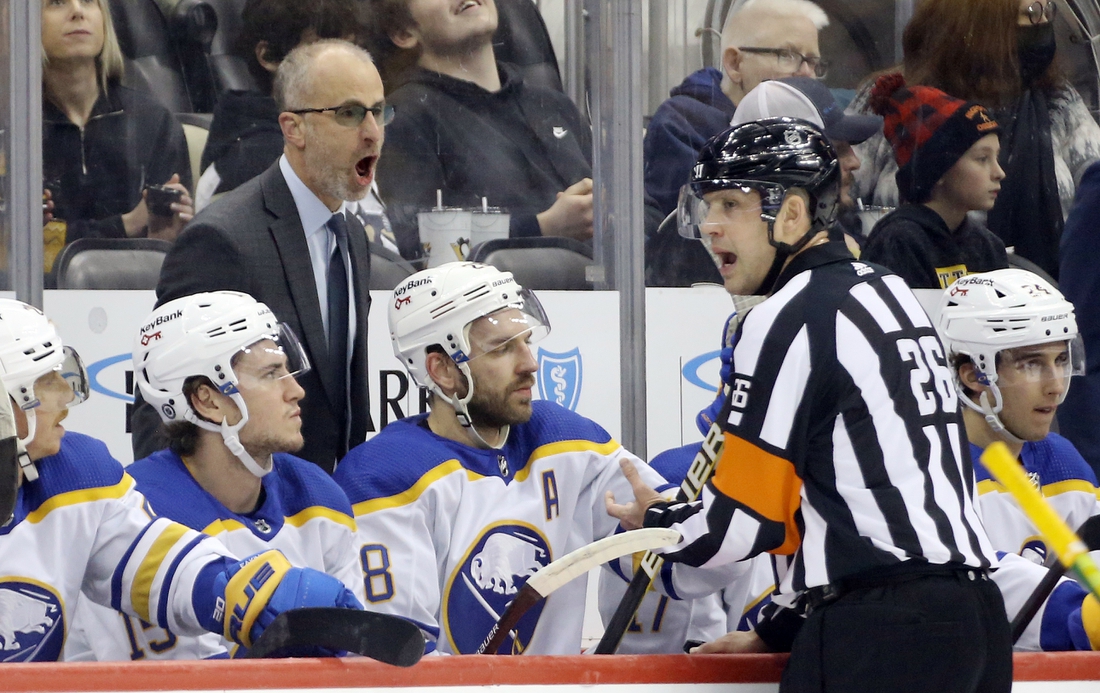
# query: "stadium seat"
{"points": [[111, 263], [196, 128], [541, 263], [522, 39], [387, 268]]}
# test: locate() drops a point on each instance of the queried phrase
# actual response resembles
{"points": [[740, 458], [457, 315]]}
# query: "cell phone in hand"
{"points": [[159, 198]]}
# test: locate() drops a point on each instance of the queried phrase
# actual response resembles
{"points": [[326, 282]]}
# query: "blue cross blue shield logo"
{"points": [[560, 377]]}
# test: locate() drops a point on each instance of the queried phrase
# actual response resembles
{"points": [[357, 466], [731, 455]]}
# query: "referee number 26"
{"points": [[929, 367]]}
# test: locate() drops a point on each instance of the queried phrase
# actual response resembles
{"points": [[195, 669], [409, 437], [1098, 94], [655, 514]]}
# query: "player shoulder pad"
{"points": [[303, 486], [172, 492], [1058, 460], [673, 464], [980, 472], [552, 423], [82, 464], [393, 461]]}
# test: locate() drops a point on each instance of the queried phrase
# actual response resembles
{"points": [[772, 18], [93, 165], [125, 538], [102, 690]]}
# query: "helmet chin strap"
{"points": [[232, 440], [462, 411], [30, 472], [991, 412]]}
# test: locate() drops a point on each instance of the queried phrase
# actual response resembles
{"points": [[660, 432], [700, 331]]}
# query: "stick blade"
{"points": [[580, 561], [383, 637]]}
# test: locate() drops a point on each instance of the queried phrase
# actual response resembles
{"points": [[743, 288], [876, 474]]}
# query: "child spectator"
{"points": [[946, 150]]}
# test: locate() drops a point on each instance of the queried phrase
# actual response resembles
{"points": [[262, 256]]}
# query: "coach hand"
{"points": [[632, 515]]}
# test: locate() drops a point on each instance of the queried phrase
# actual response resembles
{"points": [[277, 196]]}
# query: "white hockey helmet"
{"points": [[29, 349], [984, 314], [437, 305], [201, 335]]}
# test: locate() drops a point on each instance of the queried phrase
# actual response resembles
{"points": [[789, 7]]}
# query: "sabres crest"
{"points": [[32, 622], [560, 377]]}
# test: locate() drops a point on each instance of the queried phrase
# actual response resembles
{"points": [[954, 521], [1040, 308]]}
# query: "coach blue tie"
{"points": [[338, 315]]}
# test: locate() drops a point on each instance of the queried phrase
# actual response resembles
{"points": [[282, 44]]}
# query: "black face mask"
{"points": [[1035, 47]]}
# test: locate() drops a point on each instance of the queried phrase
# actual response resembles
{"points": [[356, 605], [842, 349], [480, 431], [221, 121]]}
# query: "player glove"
{"points": [[705, 419], [1084, 625], [248, 595]]}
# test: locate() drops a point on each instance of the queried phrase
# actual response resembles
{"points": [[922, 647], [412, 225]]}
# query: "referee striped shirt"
{"points": [[844, 448]]}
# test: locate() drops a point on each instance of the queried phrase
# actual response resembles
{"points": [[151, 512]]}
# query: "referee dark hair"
{"points": [[844, 456]]}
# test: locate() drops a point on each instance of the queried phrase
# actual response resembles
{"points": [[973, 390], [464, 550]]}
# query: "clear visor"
{"points": [[695, 212], [269, 360], [1052, 364], [66, 385], [523, 321]]}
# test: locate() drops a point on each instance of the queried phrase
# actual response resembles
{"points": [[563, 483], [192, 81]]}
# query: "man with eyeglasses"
{"points": [[761, 40], [283, 238]]}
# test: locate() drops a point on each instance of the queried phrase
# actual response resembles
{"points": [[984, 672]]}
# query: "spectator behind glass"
{"points": [[469, 126], [102, 143], [1000, 53], [946, 150], [762, 39]]}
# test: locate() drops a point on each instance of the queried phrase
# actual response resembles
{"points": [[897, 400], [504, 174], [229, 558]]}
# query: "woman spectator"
{"points": [[103, 143], [999, 53]]}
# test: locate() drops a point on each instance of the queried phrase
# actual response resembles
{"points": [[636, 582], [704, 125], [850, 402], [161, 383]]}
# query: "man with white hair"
{"points": [[761, 40]]}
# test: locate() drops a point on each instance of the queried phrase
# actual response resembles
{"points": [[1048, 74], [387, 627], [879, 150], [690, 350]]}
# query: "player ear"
{"points": [[968, 376], [213, 406], [443, 371]]}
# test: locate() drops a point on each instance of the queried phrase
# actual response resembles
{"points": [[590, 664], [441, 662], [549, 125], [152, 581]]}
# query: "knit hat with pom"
{"points": [[928, 130]]}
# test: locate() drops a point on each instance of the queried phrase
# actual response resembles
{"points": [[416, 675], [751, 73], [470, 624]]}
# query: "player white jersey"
{"points": [[663, 625], [303, 513], [1062, 476], [449, 533], [84, 526]]}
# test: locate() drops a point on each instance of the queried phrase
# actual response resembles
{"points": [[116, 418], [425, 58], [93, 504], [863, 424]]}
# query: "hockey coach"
{"points": [[844, 452]]}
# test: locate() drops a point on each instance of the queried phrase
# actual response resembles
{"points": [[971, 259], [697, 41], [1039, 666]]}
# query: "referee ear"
{"points": [[793, 220]]}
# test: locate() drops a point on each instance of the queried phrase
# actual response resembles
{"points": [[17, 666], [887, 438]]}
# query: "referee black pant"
{"points": [[941, 633]]}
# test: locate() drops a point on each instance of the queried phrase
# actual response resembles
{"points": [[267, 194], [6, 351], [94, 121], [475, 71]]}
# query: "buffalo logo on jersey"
{"points": [[482, 586], [560, 377], [32, 622]]}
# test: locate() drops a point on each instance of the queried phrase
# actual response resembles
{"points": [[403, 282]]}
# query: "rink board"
{"points": [[1068, 673]]}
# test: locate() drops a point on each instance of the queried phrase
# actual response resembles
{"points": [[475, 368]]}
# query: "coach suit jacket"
{"points": [[251, 240]]}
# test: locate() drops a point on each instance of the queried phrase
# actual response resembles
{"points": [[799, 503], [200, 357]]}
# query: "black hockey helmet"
{"points": [[768, 156]]}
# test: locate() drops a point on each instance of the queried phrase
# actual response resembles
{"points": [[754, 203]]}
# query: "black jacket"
{"points": [[517, 147], [244, 137], [96, 173], [915, 243]]}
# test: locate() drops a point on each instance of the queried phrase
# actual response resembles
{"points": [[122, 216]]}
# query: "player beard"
{"points": [[499, 409]]}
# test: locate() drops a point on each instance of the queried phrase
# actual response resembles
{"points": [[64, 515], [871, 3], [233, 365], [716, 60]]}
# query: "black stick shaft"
{"points": [[1036, 599], [526, 598]]}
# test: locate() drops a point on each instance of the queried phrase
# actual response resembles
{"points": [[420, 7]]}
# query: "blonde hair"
{"points": [[735, 32], [108, 64]]}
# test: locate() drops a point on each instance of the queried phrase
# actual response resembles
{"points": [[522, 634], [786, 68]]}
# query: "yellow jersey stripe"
{"points": [[565, 446], [87, 495], [413, 492], [218, 526], [147, 571], [300, 518], [989, 485], [1067, 486]]}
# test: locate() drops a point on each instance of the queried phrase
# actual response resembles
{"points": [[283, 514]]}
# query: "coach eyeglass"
{"points": [[352, 114], [1037, 11], [792, 60]]}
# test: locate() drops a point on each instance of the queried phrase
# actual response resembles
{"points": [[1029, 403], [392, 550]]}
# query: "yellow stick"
{"points": [[1071, 551]]}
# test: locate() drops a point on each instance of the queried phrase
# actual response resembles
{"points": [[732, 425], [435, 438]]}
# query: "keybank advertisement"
{"points": [[578, 362]]}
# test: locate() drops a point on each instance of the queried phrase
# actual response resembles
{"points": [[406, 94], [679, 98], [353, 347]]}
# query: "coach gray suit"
{"points": [[251, 240]]}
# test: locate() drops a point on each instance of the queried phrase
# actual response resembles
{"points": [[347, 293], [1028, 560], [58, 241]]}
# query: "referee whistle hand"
{"points": [[631, 515], [737, 642]]}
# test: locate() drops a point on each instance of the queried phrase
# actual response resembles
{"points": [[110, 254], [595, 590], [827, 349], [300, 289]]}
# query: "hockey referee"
{"points": [[845, 455]]}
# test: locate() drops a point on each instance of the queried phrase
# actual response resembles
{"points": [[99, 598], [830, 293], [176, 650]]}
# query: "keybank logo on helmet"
{"points": [[412, 285], [161, 319]]}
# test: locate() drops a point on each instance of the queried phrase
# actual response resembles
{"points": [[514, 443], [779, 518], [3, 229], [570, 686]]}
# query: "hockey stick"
{"points": [[382, 637], [567, 568], [698, 474], [1071, 551], [1089, 531]]}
